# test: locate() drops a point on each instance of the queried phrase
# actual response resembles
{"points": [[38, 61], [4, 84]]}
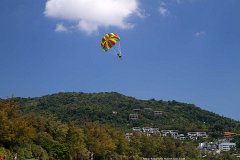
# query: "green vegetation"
{"points": [[78, 126], [93, 107]]}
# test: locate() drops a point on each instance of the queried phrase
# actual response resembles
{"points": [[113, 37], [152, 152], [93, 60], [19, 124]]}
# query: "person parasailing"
{"points": [[112, 41], [119, 54]]}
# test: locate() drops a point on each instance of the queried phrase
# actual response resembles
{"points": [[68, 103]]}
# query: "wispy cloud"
{"points": [[163, 9], [200, 34], [179, 1], [166, 5], [90, 15], [60, 28], [182, 1]]}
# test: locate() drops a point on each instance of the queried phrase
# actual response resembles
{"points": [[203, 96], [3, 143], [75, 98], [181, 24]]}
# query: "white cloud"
{"points": [[200, 34], [60, 28], [90, 15], [163, 10]]}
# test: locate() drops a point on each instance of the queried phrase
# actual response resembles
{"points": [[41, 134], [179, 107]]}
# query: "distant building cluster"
{"points": [[171, 133], [216, 147], [204, 147], [219, 146]]}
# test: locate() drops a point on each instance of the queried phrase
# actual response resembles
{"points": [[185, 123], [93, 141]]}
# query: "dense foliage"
{"points": [[78, 126], [32, 136], [100, 107]]}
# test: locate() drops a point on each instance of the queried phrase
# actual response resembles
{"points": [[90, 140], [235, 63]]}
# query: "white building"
{"points": [[211, 146], [114, 112], [196, 135], [173, 133], [216, 147], [137, 129], [149, 130], [155, 131], [146, 129], [226, 146], [128, 136]]}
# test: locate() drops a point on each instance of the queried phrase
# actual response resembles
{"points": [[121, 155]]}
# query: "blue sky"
{"points": [[184, 50]]}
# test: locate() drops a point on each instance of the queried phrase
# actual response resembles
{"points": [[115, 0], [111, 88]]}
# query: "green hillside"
{"points": [[80, 126], [114, 109]]}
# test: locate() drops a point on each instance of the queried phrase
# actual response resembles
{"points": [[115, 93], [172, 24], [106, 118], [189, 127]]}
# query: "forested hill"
{"points": [[114, 109]]}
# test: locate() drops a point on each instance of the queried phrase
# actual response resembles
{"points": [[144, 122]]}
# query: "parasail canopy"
{"points": [[109, 41]]}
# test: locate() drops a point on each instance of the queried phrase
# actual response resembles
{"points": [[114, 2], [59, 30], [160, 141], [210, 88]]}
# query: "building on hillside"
{"points": [[157, 113], [136, 110], [150, 131], [226, 140], [146, 129], [137, 129], [215, 147], [155, 131], [227, 146], [181, 137], [148, 109], [209, 148], [172, 133], [196, 135], [128, 136], [114, 112], [133, 116], [229, 134]]}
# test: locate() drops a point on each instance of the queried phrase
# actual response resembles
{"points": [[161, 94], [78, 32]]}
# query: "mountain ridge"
{"points": [[114, 108]]}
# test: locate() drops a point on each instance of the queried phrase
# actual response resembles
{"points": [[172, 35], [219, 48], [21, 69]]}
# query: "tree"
{"points": [[99, 141], [134, 151], [15, 129], [76, 144]]}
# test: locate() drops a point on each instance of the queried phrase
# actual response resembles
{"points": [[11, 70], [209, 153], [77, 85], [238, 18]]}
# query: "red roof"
{"points": [[228, 133]]}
